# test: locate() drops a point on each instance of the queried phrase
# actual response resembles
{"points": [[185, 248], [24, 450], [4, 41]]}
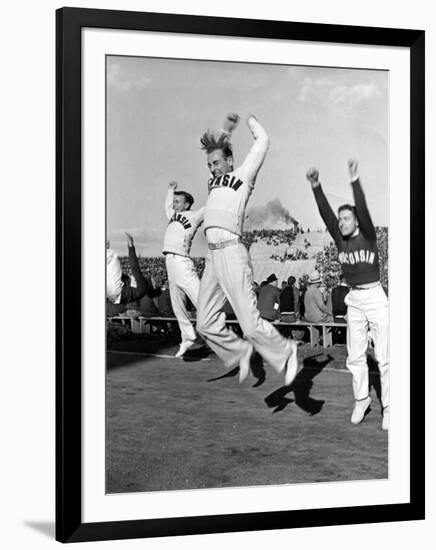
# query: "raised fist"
{"points": [[230, 123], [173, 185], [352, 168], [129, 239], [312, 175]]}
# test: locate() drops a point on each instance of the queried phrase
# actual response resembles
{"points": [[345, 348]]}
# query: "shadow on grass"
{"points": [[256, 367], [229, 374], [196, 353], [300, 387], [130, 348], [116, 359]]}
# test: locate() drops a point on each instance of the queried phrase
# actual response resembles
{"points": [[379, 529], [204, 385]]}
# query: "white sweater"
{"points": [[181, 228], [229, 193]]}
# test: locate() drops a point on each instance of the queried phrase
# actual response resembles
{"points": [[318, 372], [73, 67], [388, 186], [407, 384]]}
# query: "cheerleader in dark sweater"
{"points": [[355, 237]]}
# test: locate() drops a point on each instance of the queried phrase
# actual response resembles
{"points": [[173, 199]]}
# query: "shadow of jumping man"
{"points": [[256, 368], [301, 387], [196, 353]]}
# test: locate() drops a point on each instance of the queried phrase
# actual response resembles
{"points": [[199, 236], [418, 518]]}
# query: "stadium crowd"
{"points": [[327, 267], [271, 237], [293, 256]]}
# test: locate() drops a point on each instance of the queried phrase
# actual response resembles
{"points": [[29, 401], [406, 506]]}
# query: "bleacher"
{"points": [[138, 325]]}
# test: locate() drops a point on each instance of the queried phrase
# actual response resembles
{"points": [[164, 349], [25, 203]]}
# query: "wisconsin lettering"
{"points": [[225, 181], [180, 218], [357, 256]]}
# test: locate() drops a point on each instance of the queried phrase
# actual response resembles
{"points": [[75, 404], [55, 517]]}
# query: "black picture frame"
{"points": [[69, 525]]}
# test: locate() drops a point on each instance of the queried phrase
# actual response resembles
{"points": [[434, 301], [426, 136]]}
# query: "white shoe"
{"points": [[385, 421], [244, 364], [359, 410], [184, 346], [291, 366]]}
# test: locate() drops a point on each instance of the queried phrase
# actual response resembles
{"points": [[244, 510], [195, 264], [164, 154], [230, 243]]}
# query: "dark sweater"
{"points": [[358, 255]]}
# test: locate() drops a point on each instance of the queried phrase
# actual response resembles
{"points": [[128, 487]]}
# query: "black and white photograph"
{"points": [[247, 274], [242, 204], [221, 218]]}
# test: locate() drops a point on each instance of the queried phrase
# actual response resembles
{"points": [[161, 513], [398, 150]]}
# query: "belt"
{"points": [[223, 244], [373, 285]]}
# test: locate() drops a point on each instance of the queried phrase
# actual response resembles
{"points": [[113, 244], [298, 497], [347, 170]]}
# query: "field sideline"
{"points": [[173, 424]]}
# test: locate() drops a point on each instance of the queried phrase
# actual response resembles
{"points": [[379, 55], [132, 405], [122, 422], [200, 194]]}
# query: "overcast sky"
{"points": [[157, 109]]}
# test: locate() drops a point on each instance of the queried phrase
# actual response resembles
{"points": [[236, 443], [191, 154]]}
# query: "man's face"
{"points": [[347, 223], [219, 164], [179, 203]]}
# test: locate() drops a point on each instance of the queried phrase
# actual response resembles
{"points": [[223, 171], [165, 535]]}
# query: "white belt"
{"points": [[223, 244]]}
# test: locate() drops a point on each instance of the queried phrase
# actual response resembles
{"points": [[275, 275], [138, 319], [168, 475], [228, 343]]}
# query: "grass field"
{"points": [[175, 424]]}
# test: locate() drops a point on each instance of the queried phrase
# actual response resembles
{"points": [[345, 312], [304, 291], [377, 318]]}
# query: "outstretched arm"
{"points": [[172, 186], [254, 160], [324, 207], [365, 222]]}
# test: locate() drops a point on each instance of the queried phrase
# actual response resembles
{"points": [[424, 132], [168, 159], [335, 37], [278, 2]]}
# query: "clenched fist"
{"points": [[230, 123], [352, 168], [312, 175], [173, 185], [130, 241]]}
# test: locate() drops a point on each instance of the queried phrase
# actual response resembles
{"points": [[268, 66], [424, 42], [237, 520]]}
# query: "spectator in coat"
{"points": [[164, 302], [315, 309], [148, 303], [289, 298], [338, 301], [269, 299]]}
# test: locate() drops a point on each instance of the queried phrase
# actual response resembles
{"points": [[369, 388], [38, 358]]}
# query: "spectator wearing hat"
{"points": [[316, 310], [269, 299]]}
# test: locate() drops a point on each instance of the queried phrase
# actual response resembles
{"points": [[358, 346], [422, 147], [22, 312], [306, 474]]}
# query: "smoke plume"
{"points": [[273, 215]]}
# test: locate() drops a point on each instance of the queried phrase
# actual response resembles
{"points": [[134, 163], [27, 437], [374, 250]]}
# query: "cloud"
{"points": [[337, 92], [354, 95], [124, 80]]}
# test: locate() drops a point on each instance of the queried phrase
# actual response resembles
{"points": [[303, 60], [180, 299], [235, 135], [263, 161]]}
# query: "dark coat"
{"points": [[268, 297]]}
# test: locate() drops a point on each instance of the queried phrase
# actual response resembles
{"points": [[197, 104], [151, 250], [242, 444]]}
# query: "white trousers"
{"points": [[368, 310], [228, 274], [183, 281]]}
